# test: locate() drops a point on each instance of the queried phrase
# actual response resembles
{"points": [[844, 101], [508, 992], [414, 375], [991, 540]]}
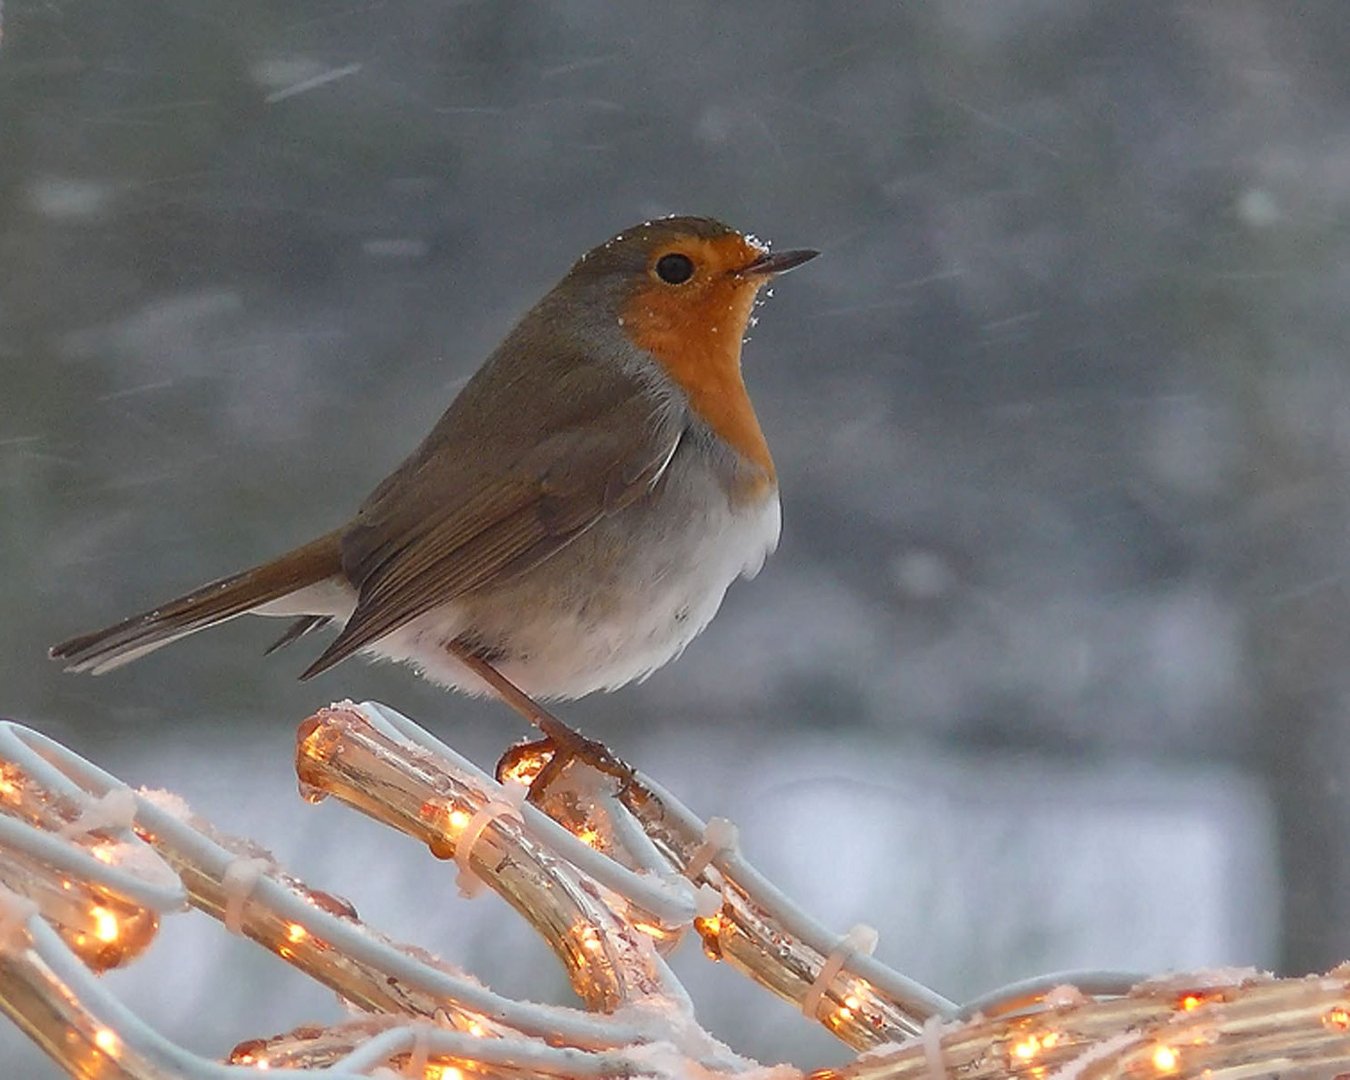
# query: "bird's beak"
{"points": [[777, 262]]}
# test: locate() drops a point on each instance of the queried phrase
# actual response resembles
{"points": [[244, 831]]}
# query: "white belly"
{"points": [[557, 633], [621, 600]]}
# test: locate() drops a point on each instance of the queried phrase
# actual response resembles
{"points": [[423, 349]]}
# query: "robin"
{"points": [[573, 520]]}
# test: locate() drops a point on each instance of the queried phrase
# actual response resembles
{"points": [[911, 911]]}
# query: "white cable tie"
{"points": [[931, 1039], [514, 795], [114, 809], [15, 911], [238, 882], [707, 902], [417, 1059], [719, 835], [862, 939], [470, 883]]}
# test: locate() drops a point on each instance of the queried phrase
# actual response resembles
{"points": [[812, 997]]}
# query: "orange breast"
{"points": [[697, 339]]}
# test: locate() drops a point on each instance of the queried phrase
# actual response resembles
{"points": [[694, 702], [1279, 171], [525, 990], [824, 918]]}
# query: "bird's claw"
{"points": [[542, 761]]}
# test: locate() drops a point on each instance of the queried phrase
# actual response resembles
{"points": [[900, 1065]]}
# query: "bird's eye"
{"points": [[674, 269]]}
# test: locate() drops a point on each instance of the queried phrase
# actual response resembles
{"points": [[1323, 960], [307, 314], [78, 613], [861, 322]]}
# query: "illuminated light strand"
{"points": [[331, 744], [468, 882], [377, 974], [774, 942], [59, 856], [670, 902], [104, 909], [757, 916], [114, 809], [583, 800], [241, 877], [720, 836], [378, 771], [371, 1044], [1299, 1023], [861, 940], [171, 830], [34, 762], [85, 1018]]}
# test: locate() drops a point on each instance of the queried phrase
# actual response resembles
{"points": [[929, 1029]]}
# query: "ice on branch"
{"points": [[613, 872]]}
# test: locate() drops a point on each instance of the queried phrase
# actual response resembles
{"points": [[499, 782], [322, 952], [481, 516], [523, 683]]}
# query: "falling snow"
{"points": [[1055, 643]]}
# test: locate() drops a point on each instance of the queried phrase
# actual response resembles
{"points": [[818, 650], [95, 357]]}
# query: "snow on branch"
{"points": [[613, 872]]}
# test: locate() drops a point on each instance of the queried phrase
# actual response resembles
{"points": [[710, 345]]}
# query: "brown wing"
{"points": [[457, 516]]}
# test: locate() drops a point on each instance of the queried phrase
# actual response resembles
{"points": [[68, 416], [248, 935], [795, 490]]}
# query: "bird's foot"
{"points": [[541, 762], [561, 744]]}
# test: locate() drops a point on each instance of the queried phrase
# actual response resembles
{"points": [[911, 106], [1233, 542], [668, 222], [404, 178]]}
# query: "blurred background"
{"points": [[1050, 670]]}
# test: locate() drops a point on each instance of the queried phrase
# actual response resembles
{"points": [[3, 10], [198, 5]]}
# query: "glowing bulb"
{"points": [[295, 933], [1165, 1059], [709, 928], [1339, 1018], [105, 853], [1027, 1048], [476, 1029], [106, 1040], [249, 1057], [444, 1072], [1191, 1002], [588, 836], [1032, 1045], [319, 742], [459, 820], [525, 766], [105, 924]]}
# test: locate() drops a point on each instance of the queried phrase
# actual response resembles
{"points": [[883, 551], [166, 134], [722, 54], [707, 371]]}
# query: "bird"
{"points": [[573, 520]]}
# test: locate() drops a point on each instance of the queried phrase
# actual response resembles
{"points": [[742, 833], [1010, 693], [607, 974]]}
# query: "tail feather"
{"points": [[297, 630], [213, 603]]}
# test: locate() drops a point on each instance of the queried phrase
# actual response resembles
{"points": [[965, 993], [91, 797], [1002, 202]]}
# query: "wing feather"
{"points": [[416, 547]]}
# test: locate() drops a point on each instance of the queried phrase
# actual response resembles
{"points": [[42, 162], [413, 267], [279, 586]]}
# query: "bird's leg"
{"points": [[566, 743]]}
